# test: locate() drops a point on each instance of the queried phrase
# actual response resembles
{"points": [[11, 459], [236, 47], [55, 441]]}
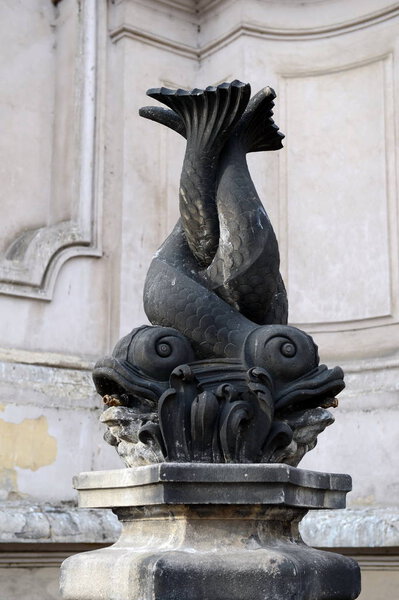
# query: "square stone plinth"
{"points": [[200, 483]]}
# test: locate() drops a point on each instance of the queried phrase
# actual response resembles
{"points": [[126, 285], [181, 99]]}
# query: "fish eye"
{"points": [[164, 349], [288, 349]]}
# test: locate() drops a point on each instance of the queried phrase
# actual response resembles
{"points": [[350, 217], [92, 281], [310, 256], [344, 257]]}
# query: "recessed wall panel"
{"points": [[337, 195]]}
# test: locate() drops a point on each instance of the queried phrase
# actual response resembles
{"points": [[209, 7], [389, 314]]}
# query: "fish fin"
{"points": [[256, 127], [208, 115], [165, 116]]}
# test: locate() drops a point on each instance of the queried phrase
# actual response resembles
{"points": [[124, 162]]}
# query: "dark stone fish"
{"points": [[217, 275], [219, 376]]}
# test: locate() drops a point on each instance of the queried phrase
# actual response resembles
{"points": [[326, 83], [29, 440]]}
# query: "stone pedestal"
{"points": [[206, 531]]}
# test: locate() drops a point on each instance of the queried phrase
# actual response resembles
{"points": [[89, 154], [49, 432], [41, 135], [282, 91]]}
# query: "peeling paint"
{"points": [[27, 445], [8, 483]]}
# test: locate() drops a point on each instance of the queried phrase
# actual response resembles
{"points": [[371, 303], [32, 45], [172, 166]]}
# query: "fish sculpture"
{"points": [[219, 376]]}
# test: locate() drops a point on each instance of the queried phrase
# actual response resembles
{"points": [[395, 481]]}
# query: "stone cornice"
{"points": [[248, 28]]}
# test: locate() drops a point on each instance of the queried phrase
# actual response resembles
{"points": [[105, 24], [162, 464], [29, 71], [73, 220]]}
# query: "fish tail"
{"points": [[165, 116], [257, 129], [208, 116], [207, 119]]}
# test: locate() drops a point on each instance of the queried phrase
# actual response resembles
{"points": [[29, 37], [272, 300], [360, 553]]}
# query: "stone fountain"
{"points": [[212, 407]]}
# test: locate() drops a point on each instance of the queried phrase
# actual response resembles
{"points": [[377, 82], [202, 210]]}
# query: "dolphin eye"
{"points": [[164, 349], [288, 349]]}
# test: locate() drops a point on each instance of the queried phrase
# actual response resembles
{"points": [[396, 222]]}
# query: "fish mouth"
{"points": [[113, 377], [317, 388]]}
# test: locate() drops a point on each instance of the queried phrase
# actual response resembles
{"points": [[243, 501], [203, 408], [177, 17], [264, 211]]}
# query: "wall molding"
{"points": [[30, 265], [301, 34], [54, 558], [43, 386], [377, 562], [141, 35], [45, 359], [32, 560], [200, 51], [188, 6]]}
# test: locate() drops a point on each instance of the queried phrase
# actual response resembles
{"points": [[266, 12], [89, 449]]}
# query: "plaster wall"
{"points": [[89, 191]]}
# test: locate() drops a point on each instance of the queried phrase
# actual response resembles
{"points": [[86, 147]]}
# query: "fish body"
{"points": [[216, 277]]}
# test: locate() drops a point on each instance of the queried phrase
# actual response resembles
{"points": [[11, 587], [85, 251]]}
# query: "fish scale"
{"points": [[227, 327], [251, 289], [198, 210]]}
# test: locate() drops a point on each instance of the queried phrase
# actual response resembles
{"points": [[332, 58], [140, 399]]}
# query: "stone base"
{"points": [[218, 549]]}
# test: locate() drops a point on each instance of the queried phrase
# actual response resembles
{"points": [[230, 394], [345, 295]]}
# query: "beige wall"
{"points": [[89, 190]]}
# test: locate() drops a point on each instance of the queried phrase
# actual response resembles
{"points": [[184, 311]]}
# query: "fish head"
{"points": [[137, 372], [291, 358]]}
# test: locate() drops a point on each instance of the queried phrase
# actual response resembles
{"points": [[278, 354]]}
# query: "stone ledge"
{"points": [[46, 524], [40, 385], [352, 528]]}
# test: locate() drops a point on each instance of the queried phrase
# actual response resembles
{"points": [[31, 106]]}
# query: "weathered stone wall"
{"points": [[89, 190]]}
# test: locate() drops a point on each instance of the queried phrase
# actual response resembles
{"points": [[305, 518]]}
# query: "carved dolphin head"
{"points": [[141, 363], [291, 358]]}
